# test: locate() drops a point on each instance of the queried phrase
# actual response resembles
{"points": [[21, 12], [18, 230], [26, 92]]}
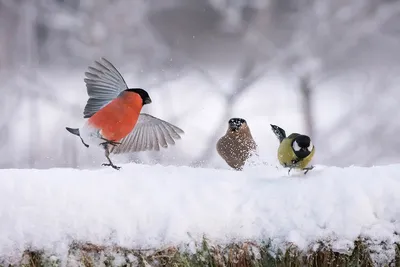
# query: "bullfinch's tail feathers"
{"points": [[279, 132], [149, 134], [75, 131], [103, 83]]}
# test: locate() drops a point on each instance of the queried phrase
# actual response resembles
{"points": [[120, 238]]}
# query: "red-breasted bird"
{"points": [[113, 116]]}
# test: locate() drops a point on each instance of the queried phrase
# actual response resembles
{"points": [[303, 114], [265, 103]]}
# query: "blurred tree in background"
{"points": [[327, 68]]}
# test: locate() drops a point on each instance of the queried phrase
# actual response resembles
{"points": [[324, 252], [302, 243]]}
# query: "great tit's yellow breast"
{"points": [[285, 152], [307, 160]]}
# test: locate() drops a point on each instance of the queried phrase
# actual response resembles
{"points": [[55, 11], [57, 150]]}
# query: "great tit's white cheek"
{"points": [[296, 146], [310, 147]]}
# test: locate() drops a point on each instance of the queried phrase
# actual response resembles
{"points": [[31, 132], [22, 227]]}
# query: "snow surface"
{"points": [[143, 206]]}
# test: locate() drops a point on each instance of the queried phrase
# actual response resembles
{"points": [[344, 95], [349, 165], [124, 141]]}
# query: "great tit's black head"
{"points": [[236, 123], [302, 146], [143, 94]]}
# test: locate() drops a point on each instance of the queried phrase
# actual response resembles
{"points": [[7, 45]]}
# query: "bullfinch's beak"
{"points": [[147, 101]]}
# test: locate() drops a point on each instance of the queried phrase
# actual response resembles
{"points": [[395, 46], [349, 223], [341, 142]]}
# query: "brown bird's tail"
{"points": [[75, 131]]}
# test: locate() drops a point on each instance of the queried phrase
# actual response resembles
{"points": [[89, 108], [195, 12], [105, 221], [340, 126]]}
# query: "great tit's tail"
{"points": [[279, 132], [75, 131]]}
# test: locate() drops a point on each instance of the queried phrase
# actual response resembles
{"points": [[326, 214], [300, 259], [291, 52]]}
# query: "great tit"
{"points": [[295, 151]]}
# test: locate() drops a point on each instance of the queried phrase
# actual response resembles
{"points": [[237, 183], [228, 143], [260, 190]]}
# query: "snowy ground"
{"points": [[151, 206]]}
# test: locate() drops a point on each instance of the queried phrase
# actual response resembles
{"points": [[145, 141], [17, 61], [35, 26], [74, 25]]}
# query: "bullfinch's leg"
{"points": [[107, 154], [111, 142], [308, 169]]}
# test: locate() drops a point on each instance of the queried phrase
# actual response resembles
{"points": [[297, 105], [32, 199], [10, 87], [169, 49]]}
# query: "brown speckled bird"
{"points": [[237, 145]]}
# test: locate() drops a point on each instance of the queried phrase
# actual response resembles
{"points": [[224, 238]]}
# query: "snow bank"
{"points": [[144, 206]]}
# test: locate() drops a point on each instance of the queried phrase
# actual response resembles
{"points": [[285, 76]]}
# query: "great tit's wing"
{"points": [[279, 132], [148, 134], [103, 84]]}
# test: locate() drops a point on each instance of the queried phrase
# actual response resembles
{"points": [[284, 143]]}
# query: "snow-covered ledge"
{"points": [[144, 206]]}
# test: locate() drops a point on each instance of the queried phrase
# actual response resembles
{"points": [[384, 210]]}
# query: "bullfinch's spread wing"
{"points": [[148, 134], [103, 83]]}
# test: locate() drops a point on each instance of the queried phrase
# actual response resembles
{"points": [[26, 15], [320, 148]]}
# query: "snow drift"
{"points": [[144, 206]]}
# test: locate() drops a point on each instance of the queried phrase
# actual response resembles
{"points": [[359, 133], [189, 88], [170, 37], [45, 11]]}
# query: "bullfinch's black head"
{"points": [[302, 146], [143, 94], [236, 123]]}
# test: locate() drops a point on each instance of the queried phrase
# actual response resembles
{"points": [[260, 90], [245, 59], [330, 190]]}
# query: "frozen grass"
{"points": [[146, 208], [244, 254]]}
